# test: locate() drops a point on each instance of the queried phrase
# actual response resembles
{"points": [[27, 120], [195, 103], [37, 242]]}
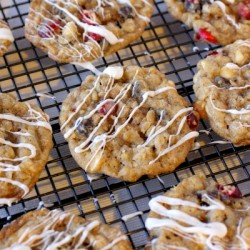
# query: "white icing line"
{"points": [[229, 18], [18, 145], [160, 130], [18, 119], [46, 96], [220, 142], [187, 137], [230, 111], [89, 66], [18, 184], [130, 216]]}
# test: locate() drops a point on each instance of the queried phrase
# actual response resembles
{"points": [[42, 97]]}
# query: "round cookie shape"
{"points": [[25, 143], [6, 37], [44, 229], [132, 125], [81, 31], [214, 21], [222, 88], [197, 214]]}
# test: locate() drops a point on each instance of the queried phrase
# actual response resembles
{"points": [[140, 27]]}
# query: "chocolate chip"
{"points": [[126, 12], [136, 91], [222, 82], [83, 126], [193, 6]]}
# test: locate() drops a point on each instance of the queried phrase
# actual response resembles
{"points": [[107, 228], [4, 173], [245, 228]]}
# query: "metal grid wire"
{"points": [[166, 44]]}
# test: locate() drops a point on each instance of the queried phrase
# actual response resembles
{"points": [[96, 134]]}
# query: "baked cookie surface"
{"points": [[199, 215], [129, 125], [222, 87], [80, 30], [220, 22], [6, 37], [25, 143], [44, 229]]}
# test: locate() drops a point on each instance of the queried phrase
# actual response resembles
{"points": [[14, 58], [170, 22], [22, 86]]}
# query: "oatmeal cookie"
{"points": [[25, 143], [6, 37], [199, 215], [222, 87], [220, 22], [80, 31], [128, 122], [44, 230]]}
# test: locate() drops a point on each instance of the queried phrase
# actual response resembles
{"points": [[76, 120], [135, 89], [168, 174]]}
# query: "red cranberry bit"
{"points": [[47, 29], [244, 10], [192, 121], [230, 191], [203, 34], [213, 53], [94, 36], [106, 107]]}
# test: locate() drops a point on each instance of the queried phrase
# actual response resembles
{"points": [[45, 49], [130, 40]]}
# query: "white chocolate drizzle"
{"points": [[130, 216], [46, 96], [242, 111], [44, 235], [228, 17], [8, 164]]}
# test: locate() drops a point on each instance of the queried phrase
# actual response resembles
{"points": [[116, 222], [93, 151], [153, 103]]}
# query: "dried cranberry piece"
{"points": [[106, 107], [230, 191], [213, 53], [192, 121], [94, 36], [203, 34], [47, 29], [244, 10]]}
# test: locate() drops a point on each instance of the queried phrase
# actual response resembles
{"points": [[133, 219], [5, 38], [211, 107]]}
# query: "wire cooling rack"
{"points": [[166, 44]]}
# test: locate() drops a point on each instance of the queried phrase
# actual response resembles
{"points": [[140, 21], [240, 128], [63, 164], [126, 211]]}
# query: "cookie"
{"points": [[44, 229], [128, 122], [6, 37], [81, 31], [197, 214], [220, 22], [25, 143], [222, 88]]}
